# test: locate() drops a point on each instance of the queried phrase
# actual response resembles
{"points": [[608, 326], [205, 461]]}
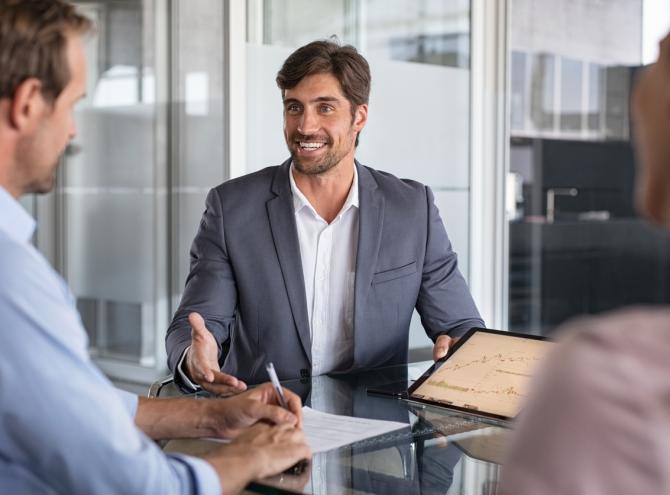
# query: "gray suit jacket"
{"points": [[246, 276]]}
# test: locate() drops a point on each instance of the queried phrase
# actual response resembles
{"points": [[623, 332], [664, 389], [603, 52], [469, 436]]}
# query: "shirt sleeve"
{"points": [[75, 435], [129, 401], [185, 380], [206, 479]]}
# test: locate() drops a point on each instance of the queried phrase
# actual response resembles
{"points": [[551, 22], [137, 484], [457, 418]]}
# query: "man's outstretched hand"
{"points": [[202, 361]]}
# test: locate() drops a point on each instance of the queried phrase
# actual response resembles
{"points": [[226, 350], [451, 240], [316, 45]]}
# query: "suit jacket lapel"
{"points": [[371, 220], [284, 232]]}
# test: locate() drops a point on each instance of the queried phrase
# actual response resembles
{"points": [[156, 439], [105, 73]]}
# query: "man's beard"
{"points": [[331, 158], [328, 162]]}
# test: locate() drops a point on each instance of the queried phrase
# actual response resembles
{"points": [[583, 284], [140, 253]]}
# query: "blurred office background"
{"points": [[515, 112]]}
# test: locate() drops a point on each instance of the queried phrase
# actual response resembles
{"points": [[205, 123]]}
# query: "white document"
{"points": [[325, 431], [330, 431]]}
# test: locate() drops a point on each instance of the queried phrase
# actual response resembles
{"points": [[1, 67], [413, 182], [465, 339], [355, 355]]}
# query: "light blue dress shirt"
{"points": [[64, 428]]}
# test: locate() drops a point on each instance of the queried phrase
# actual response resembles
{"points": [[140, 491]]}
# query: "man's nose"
{"points": [[309, 123]]}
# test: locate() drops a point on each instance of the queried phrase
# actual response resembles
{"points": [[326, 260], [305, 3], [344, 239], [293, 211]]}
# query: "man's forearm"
{"points": [[177, 339], [173, 418]]}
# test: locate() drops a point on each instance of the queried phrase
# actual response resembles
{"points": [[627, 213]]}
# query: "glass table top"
{"points": [[439, 452]]}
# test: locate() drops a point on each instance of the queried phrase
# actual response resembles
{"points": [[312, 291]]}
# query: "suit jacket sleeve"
{"points": [[444, 303], [210, 286]]}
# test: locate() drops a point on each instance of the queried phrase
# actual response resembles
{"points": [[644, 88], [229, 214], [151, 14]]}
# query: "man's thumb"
{"points": [[197, 324]]}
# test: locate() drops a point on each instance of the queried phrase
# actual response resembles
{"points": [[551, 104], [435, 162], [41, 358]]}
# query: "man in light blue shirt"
{"points": [[63, 427]]}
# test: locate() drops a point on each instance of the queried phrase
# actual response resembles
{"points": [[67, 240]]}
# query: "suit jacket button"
{"points": [[304, 373]]}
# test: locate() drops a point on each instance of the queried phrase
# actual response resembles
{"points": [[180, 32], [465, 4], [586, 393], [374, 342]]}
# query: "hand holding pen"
{"points": [[293, 403], [300, 467]]}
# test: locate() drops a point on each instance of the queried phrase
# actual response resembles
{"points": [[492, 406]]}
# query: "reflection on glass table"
{"points": [[440, 451]]}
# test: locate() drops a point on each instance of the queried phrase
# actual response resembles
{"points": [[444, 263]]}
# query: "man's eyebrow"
{"points": [[320, 99], [326, 99]]}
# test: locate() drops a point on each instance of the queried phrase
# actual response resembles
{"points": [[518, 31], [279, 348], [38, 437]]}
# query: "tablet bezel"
{"points": [[438, 364]]}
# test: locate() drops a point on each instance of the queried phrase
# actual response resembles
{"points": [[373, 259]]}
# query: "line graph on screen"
{"points": [[488, 373]]}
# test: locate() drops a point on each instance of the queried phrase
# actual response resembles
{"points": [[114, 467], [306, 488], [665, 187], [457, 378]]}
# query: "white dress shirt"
{"points": [[328, 254]]}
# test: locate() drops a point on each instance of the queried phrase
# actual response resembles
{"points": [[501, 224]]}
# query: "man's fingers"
{"points": [[275, 414], [206, 375], [220, 390], [201, 359], [439, 353], [197, 323], [294, 404], [229, 380], [441, 348], [224, 384]]}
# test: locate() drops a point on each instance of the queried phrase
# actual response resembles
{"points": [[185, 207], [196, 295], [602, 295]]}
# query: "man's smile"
{"points": [[310, 146]]}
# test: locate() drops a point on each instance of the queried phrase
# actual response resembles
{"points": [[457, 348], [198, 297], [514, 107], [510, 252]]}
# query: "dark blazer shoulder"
{"points": [[396, 189], [246, 183], [256, 187]]}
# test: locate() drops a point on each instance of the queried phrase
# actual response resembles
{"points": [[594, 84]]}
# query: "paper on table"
{"points": [[325, 431], [329, 431]]}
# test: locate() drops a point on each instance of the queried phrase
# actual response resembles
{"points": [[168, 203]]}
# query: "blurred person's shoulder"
{"points": [[627, 334], [14, 260], [24, 270], [609, 363], [596, 419]]}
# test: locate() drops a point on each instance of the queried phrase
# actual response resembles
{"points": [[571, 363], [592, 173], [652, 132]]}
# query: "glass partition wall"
{"points": [[132, 185], [576, 243], [113, 186]]}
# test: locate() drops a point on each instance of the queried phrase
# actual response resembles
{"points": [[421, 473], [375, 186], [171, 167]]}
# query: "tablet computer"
{"points": [[487, 373]]}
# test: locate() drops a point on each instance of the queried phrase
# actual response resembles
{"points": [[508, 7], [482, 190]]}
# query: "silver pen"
{"points": [[277, 386], [300, 466]]}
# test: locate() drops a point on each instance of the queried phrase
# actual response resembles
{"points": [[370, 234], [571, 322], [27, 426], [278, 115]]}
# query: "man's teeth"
{"points": [[311, 146]]}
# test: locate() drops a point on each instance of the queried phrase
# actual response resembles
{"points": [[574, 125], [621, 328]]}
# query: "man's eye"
{"points": [[293, 108], [326, 109]]}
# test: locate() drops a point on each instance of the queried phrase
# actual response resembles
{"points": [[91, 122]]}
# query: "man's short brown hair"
{"points": [[33, 39], [328, 56]]}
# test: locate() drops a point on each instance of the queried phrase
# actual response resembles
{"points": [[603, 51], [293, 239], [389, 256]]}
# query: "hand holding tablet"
{"points": [[486, 373]]}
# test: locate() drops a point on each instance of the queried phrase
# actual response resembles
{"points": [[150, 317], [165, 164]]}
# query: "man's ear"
{"points": [[27, 106], [361, 116]]}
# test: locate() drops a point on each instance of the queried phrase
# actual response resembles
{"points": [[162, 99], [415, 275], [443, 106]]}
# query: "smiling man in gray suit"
{"points": [[318, 263]]}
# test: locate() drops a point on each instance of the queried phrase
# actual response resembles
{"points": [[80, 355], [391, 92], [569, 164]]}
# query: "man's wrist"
{"points": [[171, 418], [206, 417], [182, 372], [212, 416], [235, 466]]}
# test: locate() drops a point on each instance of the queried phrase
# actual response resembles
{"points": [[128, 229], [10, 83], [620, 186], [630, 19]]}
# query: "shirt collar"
{"points": [[300, 201], [14, 219]]}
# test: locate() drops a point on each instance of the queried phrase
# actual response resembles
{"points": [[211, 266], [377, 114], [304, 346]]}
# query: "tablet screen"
{"points": [[489, 372]]}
